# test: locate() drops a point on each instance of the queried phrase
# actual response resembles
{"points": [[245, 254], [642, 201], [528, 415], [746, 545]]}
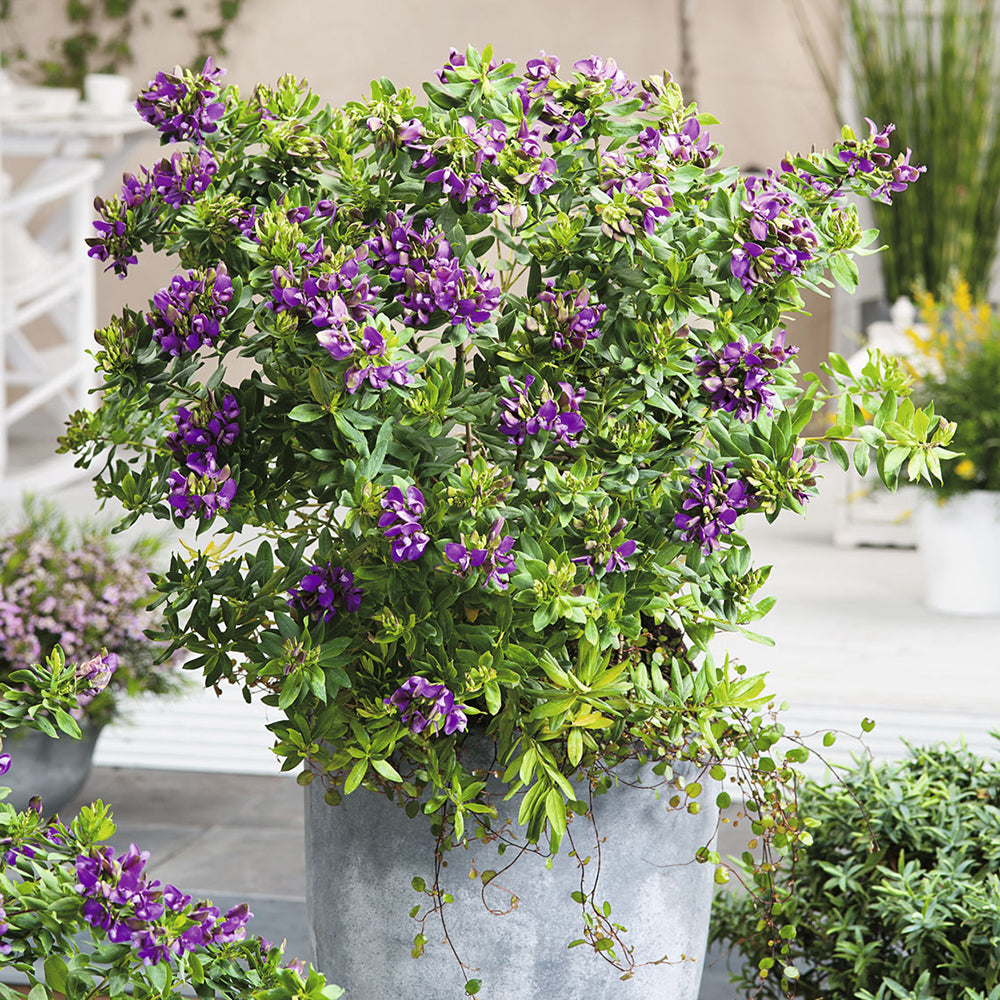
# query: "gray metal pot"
{"points": [[55, 769], [362, 855]]}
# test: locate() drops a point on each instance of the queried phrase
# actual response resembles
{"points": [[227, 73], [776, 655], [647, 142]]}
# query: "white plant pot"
{"points": [[959, 543]]}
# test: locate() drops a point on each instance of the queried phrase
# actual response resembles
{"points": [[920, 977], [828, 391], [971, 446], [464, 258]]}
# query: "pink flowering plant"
{"points": [[72, 587], [513, 372], [81, 918]]}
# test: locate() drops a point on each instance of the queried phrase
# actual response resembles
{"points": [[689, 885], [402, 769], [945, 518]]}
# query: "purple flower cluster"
{"points": [[324, 591], [865, 157], [649, 190], [692, 144], [186, 314], [327, 300], [115, 242], [616, 561], [494, 556], [738, 377], [159, 923], [870, 156], [710, 507], [203, 486], [5, 946], [456, 59], [179, 179], [176, 180], [569, 315], [402, 521], [428, 707], [431, 277], [598, 70], [341, 345], [483, 143], [561, 415], [780, 242], [182, 108]]}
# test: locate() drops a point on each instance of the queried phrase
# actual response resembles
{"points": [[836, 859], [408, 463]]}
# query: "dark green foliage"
{"points": [[899, 894]]}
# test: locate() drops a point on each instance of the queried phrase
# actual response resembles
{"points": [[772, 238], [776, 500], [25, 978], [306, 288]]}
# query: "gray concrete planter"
{"points": [[55, 769], [362, 855]]}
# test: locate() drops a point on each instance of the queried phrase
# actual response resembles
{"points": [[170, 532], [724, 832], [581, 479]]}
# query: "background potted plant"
{"points": [[516, 373], [69, 585], [75, 920], [957, 362]]}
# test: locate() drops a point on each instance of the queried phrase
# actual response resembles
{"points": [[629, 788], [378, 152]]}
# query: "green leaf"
{"points": [[306, 413], [356, 776], [386, 770], [55, 973], [473, 986]]}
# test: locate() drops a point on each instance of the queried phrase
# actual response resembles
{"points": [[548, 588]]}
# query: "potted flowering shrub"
{"points": [[518, 373], [69, 585], [76, 920], [957, 363]]}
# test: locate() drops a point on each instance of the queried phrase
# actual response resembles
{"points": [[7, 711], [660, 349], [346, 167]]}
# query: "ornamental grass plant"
{"points": [[931, 66], [518, 375]]}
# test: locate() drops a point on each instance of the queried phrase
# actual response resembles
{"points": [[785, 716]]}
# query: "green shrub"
{"points": [[899, 894]]}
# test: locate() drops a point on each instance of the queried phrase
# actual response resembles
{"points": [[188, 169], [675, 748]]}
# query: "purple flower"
{"points": [[690, 145], [867, 156], [377, 376], [402, 521], [202, 492], [187, 313], [597, 69], [455, 60], [738, 378], [116, 242], [205, 430], [324, 591], [94, 675], [570, 316], [520, 419], [903, 174], [180, 178], [182, 108], [541, 70], [4, 768], [710, 507], [425, 706], [494, 555]]}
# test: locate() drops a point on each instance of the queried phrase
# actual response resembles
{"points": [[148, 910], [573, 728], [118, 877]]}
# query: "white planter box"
{"points": [[959, 543]]}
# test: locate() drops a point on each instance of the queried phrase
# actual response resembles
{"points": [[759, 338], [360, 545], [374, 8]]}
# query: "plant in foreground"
{"points": [[77, 920], [518, 373], [896, 898]]}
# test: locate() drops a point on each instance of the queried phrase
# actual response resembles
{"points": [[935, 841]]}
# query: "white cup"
{"points": [[107, 92]]}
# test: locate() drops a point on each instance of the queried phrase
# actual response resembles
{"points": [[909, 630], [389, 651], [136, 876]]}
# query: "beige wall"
{"points": [[752, 70]]}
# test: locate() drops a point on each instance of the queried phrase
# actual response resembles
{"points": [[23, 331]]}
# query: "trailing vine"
{"points": [[100, 35]]}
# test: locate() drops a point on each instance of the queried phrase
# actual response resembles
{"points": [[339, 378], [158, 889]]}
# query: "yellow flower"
{"points": [[966, 468]]}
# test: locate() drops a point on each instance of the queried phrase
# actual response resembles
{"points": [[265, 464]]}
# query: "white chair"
{"points": [[47, 318]]}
